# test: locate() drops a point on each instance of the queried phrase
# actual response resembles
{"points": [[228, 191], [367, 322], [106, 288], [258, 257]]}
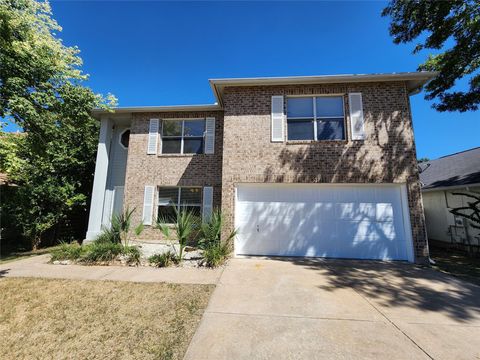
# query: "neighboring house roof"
{"points": [[458, 169], [414, 82]]}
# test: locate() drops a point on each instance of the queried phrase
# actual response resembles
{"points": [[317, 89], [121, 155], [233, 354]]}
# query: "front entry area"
{"points": [[354, 221]]}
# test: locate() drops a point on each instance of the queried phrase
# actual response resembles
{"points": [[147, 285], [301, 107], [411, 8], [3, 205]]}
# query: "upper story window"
{"points": [[183, 136], [316, 118]]}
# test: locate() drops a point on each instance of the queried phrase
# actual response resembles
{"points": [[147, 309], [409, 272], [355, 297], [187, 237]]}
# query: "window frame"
{"points": [[120, 138], [182, 136], [315, 117], [178, 204]]}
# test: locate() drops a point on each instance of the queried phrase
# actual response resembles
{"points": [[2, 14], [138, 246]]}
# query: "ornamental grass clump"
{"points": [[112, 244], [185, 226], [66, 251], [215, 250], [163, 260]]}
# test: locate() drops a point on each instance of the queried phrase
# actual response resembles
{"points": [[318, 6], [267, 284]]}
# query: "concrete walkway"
{"points": [[38, 266], [285, 309]]}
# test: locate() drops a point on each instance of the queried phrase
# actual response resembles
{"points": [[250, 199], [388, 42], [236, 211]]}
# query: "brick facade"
{"points": [[169, 169], [245, 153], [387, 155]]}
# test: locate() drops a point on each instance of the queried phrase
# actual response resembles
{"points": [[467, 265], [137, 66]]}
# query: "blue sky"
{"points": [[157, 53]]}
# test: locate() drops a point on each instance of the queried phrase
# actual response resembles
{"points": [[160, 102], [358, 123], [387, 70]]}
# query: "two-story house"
{"points": [[316, 166]]}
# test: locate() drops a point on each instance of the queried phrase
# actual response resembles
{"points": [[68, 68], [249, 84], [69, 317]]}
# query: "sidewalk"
{"points": [[38, 266]]}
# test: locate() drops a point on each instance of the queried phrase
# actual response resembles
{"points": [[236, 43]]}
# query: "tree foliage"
{"points": [[42, 91], [450, 26]]}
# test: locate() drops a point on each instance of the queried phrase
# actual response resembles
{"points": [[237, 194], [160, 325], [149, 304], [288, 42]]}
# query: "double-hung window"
{"points": [[178, 198], [183, 136], [316, 118]]}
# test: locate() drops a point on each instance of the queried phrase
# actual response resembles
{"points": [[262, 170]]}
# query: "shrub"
{"points": [[133, 254], [101, 252], [216, 250], [119, 230], [163, 260], [216, 254], [186, 228], [67, 251]]}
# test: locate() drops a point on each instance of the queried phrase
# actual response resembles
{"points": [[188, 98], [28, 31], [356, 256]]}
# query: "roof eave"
{"points": [[414, 80], [142, 109]]}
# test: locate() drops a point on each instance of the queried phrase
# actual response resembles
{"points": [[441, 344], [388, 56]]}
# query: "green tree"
{"points": [[423, 159], [453, 27], [42, 91]]}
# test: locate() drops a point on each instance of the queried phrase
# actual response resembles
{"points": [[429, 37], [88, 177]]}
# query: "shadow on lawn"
{"points": [[392, 284]]}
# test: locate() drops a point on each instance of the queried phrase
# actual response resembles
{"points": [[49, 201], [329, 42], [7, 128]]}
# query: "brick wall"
{"points": [[169, 169], [387, 155]]}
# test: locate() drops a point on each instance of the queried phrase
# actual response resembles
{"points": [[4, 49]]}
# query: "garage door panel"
{"points": [[384, 212], [355, 211], [364, 222]]}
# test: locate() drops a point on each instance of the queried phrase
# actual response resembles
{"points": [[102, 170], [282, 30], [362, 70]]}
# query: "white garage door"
{"points": [[339, 221]]}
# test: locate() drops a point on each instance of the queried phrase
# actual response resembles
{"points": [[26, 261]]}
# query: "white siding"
{"points": [[440, 222]]}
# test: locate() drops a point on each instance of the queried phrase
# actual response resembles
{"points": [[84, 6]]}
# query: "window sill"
{"points": [[177, 155], [311, 142]]}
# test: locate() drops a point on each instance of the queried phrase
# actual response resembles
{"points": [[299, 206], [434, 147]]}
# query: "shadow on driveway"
{"points": [[397, 284]]}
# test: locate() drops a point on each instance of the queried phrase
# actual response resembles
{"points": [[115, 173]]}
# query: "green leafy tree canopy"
{"points": [[450, 26], [42, 91]]}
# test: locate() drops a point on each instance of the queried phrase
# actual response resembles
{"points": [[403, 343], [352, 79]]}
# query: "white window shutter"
{"points": [[148, 205], [356, 116], [277, 118], [209, 135], [153, 136], [207, 205]]}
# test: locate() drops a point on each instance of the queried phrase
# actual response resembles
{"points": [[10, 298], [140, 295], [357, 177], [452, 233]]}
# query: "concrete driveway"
{"points": [[329, 309]]}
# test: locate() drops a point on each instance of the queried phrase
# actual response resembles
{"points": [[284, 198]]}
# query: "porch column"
{"points": [[100, 180]]}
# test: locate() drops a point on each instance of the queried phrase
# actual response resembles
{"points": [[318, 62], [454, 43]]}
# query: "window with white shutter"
{"points": [[277, 118], [148, 205], [153, 136], [207, 203], [356, 116], [209, 135]]}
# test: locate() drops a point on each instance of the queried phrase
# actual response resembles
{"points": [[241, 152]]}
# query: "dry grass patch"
{"points": [[60, 319]]}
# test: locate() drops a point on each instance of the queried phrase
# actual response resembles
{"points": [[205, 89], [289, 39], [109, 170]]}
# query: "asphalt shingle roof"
{"points": [[461, 168]]}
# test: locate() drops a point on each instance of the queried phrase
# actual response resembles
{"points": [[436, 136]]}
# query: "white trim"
{"points": [[148, 206], [100, 180], [207, 202], [120, 139], [152, 145], [361, 115], [235, 219], [277, 116], [209, 136], [454, 187], [406, 223]]}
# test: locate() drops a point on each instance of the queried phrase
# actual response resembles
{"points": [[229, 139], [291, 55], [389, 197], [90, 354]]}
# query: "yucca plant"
{"points": [[216, 250], [119, 230], [185, 226], [211, 231]]}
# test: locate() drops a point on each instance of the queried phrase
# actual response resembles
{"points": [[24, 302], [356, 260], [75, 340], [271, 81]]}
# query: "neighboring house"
{"points": [[441, 178], [321, 166]]}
